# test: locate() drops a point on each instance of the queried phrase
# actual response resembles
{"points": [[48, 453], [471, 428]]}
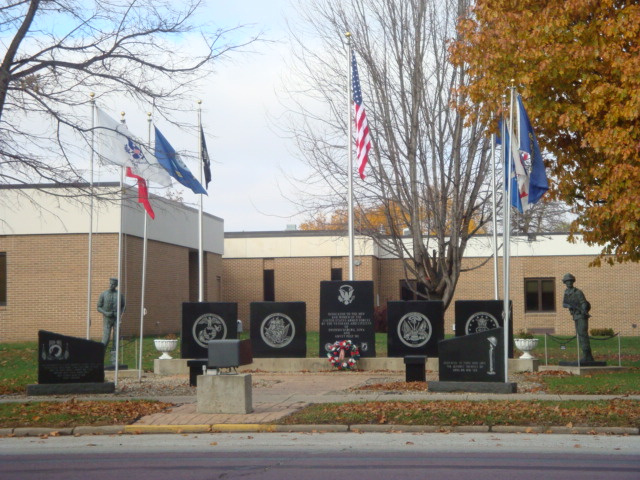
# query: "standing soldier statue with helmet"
{"points": [[579, 308]]}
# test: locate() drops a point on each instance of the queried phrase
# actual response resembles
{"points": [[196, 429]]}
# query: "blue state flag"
{"points": [[530, 152], [171, 161]]}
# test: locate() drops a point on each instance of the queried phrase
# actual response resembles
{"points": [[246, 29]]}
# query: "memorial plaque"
{"points": [[205, 321], [414, 327], [64, 359], [346, 313], [475, 316], [279, 329], [477, 357]]}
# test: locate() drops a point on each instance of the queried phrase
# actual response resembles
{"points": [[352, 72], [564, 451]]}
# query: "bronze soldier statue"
{"points": [[108, 307], [579, 308]]}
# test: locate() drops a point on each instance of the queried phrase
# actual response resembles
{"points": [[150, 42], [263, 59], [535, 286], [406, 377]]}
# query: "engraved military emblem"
{"points": [[480, 322], [209, 327], [277, 330], [55, 351], [414, 329], [345, 294]]}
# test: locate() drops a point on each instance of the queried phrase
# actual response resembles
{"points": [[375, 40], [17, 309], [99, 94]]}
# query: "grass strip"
{"points": [[74, 412], [605, 413]]}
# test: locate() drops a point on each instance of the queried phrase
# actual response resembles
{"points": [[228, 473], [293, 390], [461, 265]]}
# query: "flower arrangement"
{"points": [[343, 355], [523, 334]]}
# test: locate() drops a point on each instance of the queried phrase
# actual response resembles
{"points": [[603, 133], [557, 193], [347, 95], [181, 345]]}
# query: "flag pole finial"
{"points": [[199, 102]]}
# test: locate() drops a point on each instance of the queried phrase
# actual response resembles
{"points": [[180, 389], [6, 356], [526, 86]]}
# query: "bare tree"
{"points": [[429, 163], [58, 51]]}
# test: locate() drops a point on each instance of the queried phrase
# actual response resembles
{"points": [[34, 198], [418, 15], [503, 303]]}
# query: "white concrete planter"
{"points": [[165, 345], [525, 345]]}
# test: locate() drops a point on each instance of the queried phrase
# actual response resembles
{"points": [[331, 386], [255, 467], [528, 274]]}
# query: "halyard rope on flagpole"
{"points": [[350, 155], [200, 229], [90, 255]]}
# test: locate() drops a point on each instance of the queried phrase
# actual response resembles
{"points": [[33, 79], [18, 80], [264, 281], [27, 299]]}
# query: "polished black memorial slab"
{"points": [[477, 357], [278, 329], [414, 327], [346, 313], [65, 359], [475, 316], [205, 321]]}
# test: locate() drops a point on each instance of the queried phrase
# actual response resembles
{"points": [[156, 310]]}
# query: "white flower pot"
{"points": [[525, 345], [165, 346]]}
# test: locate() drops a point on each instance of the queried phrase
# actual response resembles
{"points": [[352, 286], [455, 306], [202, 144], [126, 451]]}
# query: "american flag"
{"points": [[363, 142]]}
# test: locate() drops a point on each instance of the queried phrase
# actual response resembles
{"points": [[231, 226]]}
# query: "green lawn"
{"points": [[617, 412], [19, 362], [563, 348]]}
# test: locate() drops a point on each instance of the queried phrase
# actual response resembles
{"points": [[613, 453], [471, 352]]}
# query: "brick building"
{"points": [[289, 265], [44, 260], [44, 268]]}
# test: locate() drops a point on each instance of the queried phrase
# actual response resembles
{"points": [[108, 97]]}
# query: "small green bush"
{"points": [[602, 332]]}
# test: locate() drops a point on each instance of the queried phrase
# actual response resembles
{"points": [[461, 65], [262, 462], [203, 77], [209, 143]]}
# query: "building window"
{"points": [[336, 274], [268, 285], [3, 278], [540, 294]]}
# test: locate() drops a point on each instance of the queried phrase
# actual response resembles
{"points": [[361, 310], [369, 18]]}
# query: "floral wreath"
{"points": [[338, 354]]}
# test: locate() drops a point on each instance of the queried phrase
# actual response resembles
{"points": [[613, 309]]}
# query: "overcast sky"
{"points": [[249, 156], [239, 103]]}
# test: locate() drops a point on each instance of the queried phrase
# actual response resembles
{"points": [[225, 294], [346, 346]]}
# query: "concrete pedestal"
{"points": [[224, 394]]}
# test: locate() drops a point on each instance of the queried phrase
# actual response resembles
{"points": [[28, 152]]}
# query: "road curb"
{"points": [[141, 429], [310, 428]]}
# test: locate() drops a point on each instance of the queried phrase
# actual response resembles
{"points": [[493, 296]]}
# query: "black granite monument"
{"points": [[69, 365], [63, 359], [473, 362], [346, 313], [414, 328], [279, 329], [205, 321], [475, 316]]}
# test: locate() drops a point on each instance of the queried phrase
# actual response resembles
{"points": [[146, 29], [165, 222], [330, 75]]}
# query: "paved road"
{"points": [[370, 456]]}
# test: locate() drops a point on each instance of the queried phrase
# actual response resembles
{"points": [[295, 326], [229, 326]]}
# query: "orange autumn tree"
{"points": [[379, 219], [389, 219], [577, 65]]}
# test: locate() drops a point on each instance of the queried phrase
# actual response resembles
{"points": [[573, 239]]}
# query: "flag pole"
{"points": [[119, 292], [90, 260], [350, 155], [494, 213], [200, 233], [507, 235], [144, 267]]}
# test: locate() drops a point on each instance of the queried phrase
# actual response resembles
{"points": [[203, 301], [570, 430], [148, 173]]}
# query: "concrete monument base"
{"points": [[475, 387], [178, 366], [224, 394], [70, 388], [581, 370]]}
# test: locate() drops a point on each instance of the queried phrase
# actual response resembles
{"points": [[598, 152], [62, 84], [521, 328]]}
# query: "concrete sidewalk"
{"points": [[276, 395]]}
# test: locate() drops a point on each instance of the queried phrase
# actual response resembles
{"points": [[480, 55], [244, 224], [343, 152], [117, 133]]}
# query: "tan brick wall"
{"points": [[47, 284], [610, 289]]}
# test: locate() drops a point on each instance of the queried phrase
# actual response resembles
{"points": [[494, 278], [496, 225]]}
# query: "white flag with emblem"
{"points": [[116, 145]]}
